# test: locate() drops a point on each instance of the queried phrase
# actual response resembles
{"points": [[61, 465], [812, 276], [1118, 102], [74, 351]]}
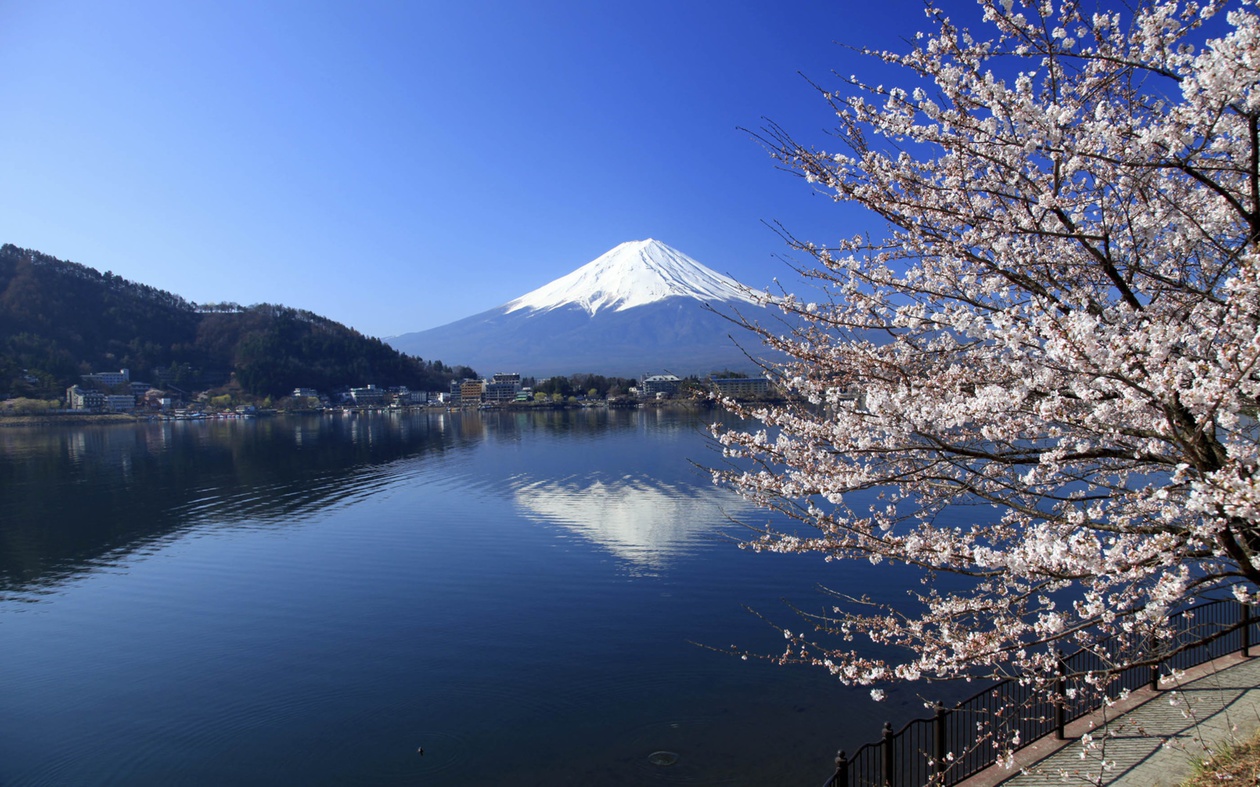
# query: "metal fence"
{"points": [[957, 743]]}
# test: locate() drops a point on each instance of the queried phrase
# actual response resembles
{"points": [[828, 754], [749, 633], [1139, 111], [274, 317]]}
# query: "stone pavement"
{"points": [[1153, 739]]}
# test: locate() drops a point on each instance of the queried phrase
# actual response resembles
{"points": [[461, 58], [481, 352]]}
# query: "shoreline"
{"points": [[78, 419], [67, 418]]}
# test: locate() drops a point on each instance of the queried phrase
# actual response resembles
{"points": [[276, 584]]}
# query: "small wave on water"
{"points": [[276, 606]]}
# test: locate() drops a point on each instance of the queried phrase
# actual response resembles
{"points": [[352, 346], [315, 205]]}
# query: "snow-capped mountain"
{"points": [[640, 307], [635, 273]]}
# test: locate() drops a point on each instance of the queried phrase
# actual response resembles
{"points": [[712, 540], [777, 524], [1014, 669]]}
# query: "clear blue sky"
{"points": [[399, 165]]}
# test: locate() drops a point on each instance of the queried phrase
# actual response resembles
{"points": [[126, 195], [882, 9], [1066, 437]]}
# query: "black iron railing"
{"points": [[957, 743]]}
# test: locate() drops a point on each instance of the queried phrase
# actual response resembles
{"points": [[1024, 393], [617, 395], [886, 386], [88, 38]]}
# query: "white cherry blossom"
{"points": [[1058, 335]]}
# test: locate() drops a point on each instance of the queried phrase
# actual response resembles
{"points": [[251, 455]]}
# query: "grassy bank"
{"points": [[1233, 766]]}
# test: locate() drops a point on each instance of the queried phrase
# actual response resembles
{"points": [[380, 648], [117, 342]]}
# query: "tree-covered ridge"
{"points": [[276, 348], [59, 320]]}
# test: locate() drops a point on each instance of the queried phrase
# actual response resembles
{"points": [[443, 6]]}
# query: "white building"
{"points": [[741, 387], [660, 385], [368, 396], [110, 378], [84, 398]]}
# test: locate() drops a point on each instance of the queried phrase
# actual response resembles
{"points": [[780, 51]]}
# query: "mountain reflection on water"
{"points": [[72, 497], [78, 496], [310, 600], [637, 518]]}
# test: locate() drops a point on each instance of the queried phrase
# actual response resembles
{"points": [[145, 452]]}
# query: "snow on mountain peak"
{"points": [[632, 274]]}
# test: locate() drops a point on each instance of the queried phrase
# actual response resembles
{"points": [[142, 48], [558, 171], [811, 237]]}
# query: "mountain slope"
{"points": [[641, 307], [635, 273], [60, 319]]}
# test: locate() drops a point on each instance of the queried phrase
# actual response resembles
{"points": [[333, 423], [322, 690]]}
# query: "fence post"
{"points": [[890, 768], [1060, 706], [1246, 632], [841, 779], [938, 739]]}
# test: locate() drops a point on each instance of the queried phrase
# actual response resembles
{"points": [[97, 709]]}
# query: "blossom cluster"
{"points": [[1059, 333]]}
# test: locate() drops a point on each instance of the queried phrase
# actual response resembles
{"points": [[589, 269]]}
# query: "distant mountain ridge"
{"points": [[641, 307], [59, 320]]}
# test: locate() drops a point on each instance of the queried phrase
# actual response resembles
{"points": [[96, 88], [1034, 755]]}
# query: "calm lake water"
{"points": [[311, 600]]}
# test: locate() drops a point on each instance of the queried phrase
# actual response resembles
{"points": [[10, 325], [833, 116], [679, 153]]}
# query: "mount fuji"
{"points": [[641, 307]]}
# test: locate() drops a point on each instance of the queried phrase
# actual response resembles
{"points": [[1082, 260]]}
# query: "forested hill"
{"points": [[59, 320]]}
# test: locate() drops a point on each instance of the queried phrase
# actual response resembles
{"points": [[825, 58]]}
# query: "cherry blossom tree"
{"points": [[1056, 340]]}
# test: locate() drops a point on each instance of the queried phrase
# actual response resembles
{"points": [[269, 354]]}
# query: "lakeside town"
{"points": [[115, 392]]}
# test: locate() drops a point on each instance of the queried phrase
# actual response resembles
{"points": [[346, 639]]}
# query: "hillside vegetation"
{"points": [[60, 320]]}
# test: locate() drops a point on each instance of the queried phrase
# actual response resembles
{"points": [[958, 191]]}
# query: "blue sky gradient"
{"points": [[399, 165]]}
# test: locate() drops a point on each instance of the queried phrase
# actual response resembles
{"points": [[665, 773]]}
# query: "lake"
{"points": [[526, 597]]}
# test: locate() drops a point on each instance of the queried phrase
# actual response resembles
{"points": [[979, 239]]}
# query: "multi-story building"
{"points": [[120, 403], [502, 388], [470, 391], [84, 398], [406, 396], [660, 385], [741, 387], [109, 378], [368, 396]]}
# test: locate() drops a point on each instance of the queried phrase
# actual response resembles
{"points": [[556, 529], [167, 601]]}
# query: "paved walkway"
{"points": [[1151, 741]]}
